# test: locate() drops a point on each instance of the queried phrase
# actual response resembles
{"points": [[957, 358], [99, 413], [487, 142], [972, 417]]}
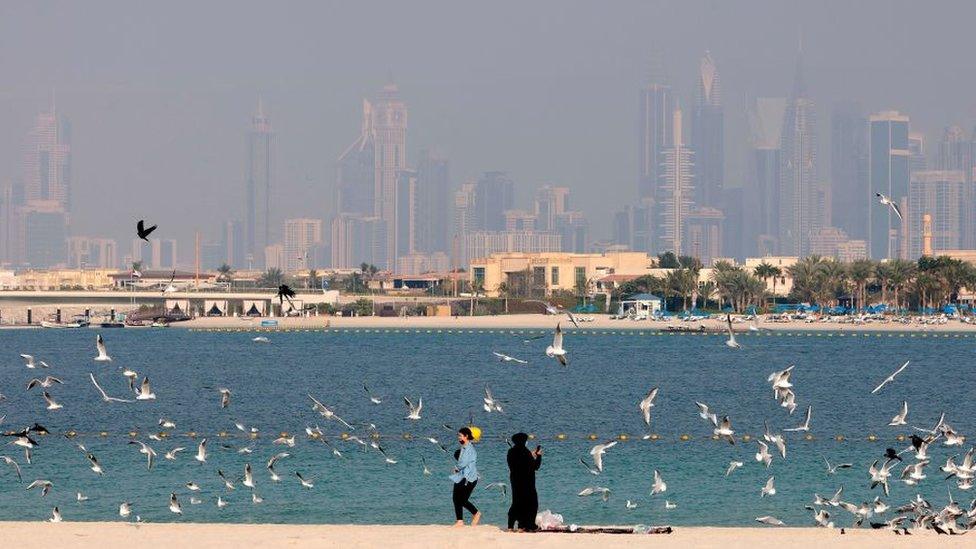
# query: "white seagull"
{"points": [[201, 452], [145, 391], [105, 397], [724, 430], [733, 465], [125, 509], [890, 203], [900, 418], [659, 485], [149, 453], [102, 353], [505, 358], [51, 403], [646, 404], [731, 342], [556, 349], [413, 412], [325, 412], [589, 491], [891, 377], [597, 453], [174, 504], [372, 398], [47, 382], [832, 469], [772, 521], [769, 489], [30, 362], [261, 339], [805, 426], [224, 397], [305, 483]]}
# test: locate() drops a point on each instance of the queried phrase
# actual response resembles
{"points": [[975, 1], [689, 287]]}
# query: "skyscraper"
{"points": [[390, 129], [494, 193], [358, 239], [766, 122], [939, 195], [799, 193], [43, 230], [259, 186], [434, 201], [703, 234], [708, 135], [355, 172], [954, 150], [232, 245], [404, 213], [574, 231], [656, 135], [849, 195], [888, 173], [47, 160], [550, 201], [303, 239], [675, 191]]}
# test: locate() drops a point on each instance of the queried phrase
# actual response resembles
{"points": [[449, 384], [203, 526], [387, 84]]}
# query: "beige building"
{"points": [[303, 237], [556, 271], [89, 279], [784, 282]]}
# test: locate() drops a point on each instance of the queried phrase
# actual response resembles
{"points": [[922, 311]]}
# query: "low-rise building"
{"points": [[555, 271]]}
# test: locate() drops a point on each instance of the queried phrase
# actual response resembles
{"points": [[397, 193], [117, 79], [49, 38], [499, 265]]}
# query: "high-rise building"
{"points": [[232, 245], [259, 186], [303, 239], [708, 137], [479, 244], [703, 234], [355, 172], [274, 257], [92, 253], [574, 231], [676, 192], [404, 213], [520, 220], [938, 194], [8, 227], [655, 135], [766, 122], [358, 239], [917, 161], [954, 150], [163, 253], [834, 242], [42, 232], [494, 193], [47, 161], [390, 155], [434, 203], [464, 218], [888, 173], [850, 196], [550, 201], [799, 215], [633, 227]]}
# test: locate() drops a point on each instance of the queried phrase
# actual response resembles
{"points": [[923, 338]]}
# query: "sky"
{"points": [[160, 94]]}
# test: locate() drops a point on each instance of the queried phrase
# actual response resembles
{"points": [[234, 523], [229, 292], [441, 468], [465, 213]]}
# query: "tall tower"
{"points": [[47, 160], [259, 186], [848, 170], [889, 173], [676, 191], [707, 136], [766, 122], [799, 211], [390, 129], [434, 202], [656, 134], [355, 171]]}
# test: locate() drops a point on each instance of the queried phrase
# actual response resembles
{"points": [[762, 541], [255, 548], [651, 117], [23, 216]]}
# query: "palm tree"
{"points": [[764, 271], [901, 273], [860, 273], [224, 273], [832, 278], [271, 279], [313, 279], [137, 265], [805, 278]]}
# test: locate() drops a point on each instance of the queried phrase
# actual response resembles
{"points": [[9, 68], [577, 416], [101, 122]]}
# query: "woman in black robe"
{"points": [[522, 465]]}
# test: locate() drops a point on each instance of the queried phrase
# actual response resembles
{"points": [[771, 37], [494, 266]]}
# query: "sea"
{"points": [[566, 410]]}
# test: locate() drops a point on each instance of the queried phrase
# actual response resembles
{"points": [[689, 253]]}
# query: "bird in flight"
{"points": [[890, 378], [890, 203], [731, 342], [142, 231], [556, 349], [505, 358], [102, 352]]}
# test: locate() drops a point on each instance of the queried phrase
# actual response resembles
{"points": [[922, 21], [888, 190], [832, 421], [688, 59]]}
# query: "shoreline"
{"points": [[112, 535]]}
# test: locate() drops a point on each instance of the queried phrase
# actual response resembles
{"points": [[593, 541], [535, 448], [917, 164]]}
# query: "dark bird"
{"points": [[284, 292], [143, 231], [891, 453]]}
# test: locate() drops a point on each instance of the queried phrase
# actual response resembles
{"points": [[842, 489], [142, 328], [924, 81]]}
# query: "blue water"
{"points": [[597, 393]]}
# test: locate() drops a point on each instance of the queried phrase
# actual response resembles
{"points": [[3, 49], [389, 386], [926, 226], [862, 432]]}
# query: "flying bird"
{"points": [[731, 342], [325, 412], [556, 349], [413, 412], [805, 426], [505, 358], [900, 418], [142, 231], [832, 469], [47, 382], [372, 398], [29, 362], [105, 397], [890, 203], [145, 391], [890, 378], [659, 485], [646, 404], [102, 353], [597, 453]]}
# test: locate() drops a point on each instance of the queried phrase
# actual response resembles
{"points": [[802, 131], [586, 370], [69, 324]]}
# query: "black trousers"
{"points": [[462, 491]]}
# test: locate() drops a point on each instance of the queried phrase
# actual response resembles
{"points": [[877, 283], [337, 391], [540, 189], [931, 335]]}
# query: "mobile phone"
{"points": [[537, 448]]}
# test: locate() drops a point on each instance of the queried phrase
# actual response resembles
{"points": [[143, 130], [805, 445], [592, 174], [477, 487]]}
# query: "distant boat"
{"points": [[269, 323], [159, 324], [110, 324], [76, 322]]}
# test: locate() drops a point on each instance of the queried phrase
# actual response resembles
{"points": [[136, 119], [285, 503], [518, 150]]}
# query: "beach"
{"points": [[111, 535]]}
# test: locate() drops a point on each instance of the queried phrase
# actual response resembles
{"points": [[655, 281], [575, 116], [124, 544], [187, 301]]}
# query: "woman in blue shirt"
{"points": [[465, 478]]}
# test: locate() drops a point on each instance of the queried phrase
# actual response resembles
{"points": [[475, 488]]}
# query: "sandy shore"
{"points": [[118, 535], [547, 322]]}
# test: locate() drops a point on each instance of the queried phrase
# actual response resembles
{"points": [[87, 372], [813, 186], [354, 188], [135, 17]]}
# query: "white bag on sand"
{"points": [[547, 520]]}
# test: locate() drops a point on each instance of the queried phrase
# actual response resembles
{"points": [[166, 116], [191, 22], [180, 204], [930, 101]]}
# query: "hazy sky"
{"points": [[160, 94]]}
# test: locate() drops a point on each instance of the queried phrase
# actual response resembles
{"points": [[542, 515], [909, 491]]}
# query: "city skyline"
{"points": [[691, 68]]}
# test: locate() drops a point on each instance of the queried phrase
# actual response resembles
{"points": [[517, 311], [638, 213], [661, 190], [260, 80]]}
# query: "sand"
{"points": [[113, 535]]}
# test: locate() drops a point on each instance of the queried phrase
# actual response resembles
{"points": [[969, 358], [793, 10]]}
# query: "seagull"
{"points": [[47, 382], [94, 465], [597, 453], [102, 353], [287, 441], [192, 486], [724, 430], [659, 485], [142, 231], [10, 461], [832, 469], [891, 377], [630, 505], [500, 486], [890, 203], [572, 319], [386, 458], [668, 505], [105, 397], [51, 403], [592, 470], [55, 515], [880, 476], [145, 392], [733, 465], [201, 452], [195, 500], [646, 405], [426, 469], [505, 358], [125, 509], [44, 485], [261, 339], [305, 483], [329, 414], [763, 454], [171, 455], [781, 380], [604, 492], [900, 418], [167, 423], [149, 452], [255, 498], [372, 398], [805, 426], [227, 483], [30, 362], [731, 342], [271, 463], [221, 503], [491, 403], [556, 349], [413, 412], [79, 497], [706, 414], [774, 439], [174, 504], [769, 489], [224, 397]]}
